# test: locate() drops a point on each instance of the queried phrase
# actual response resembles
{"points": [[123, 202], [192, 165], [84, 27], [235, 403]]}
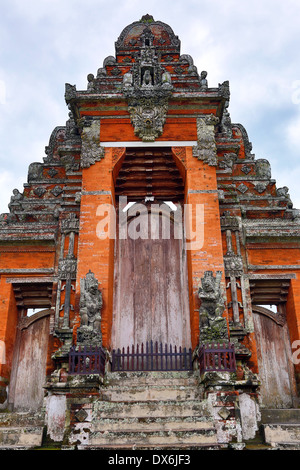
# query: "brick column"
{"points": [[95, 248], [293, 320], [8, 324], [207, 253]]}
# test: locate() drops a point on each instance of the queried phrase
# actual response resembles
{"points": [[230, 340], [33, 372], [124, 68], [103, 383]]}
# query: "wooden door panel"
{"points": [[150, 292], [274, 360], [29, 367]]}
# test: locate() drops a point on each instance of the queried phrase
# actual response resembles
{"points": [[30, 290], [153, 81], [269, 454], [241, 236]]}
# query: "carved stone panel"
{"points": [[91, 151], [91, 303], [206, 149], [213, 326]]}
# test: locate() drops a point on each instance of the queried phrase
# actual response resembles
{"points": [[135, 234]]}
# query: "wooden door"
{"points": [[151, 290], [276, 369], [29, 363]]}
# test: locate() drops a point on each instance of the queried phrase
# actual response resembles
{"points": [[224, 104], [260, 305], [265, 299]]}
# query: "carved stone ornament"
{"points": [[233, 264], [70, 223], [263, 169], [67, 268], [90, 306], [147, 89], [91, 151], [212, 324], [206, 148]]}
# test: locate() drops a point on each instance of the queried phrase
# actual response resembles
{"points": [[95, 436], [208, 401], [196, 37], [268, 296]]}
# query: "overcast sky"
{"points": [[255, 44]]}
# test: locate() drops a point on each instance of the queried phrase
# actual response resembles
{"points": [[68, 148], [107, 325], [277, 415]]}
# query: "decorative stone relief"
{"points": [[260, 187], [263, 168], [243, 188], [233, 264], [228, 161], [147, 88], [246, 169], [91, 303], [212, 324], [39, 191], [91, 151], [206, 149], [15, 201], [203, 80], [35, 172], [67, 268], [284, 192], [56, 191]]}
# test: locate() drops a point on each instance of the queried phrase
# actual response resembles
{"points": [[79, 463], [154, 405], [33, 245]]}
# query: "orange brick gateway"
{"points": [[150, 239]]}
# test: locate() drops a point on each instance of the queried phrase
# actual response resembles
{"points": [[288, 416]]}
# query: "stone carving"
{"points": [[147, 88], [206, 149], [148, 116], [127, 79], [284, 192], [90, 311], [233, 264], [91, 82], [212, 324], [39, 191], [15, 201], [243, 188], [35, 172], [247, 144], [246, 169], [56, 137], [70, 92], [52, 172], [71, 128], [192, 69], [91, 151], [203, 81], [166, 80], [67, 268], [263, 169], [260, 187], [228, 161], [70, 224], [56, 191]]}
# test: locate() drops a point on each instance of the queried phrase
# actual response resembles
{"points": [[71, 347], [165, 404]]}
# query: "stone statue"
{"points": [[166, 79], [147, 79], [203, 80], [127, 79], [15, 201], [263, 168], [212, 324], [90, 311], [91, 82]]}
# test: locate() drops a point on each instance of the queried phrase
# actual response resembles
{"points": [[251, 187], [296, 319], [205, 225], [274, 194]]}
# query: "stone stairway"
{"points": [[21, 430], [149, 410], [281, 428]]}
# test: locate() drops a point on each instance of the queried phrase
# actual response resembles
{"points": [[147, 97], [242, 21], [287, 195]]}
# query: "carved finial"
{"points": [[147, 19]]}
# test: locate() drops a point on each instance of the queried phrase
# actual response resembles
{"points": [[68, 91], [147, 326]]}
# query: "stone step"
{"points": [[178, 446], [282, 434], [280, 416], [165, 379], [18, 419], [161, 438], [187, 424], [155, 409], [21, 437], [150, 393]]}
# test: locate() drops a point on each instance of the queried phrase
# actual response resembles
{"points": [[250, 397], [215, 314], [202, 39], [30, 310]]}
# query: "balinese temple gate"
{"points": [[151, 243]]}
